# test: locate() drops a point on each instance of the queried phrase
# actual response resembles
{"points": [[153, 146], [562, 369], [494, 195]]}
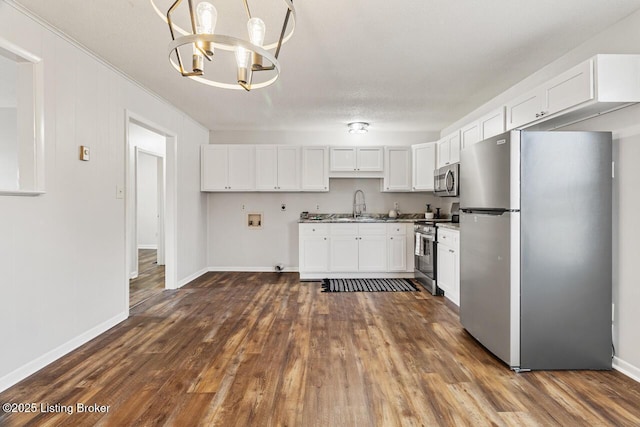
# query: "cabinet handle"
{"points": [[451, 250], [313, 229], [392, 238], [325, 238]]}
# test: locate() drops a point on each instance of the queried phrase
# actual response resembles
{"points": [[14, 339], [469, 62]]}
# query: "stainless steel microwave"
{"points": [[446, 181]]}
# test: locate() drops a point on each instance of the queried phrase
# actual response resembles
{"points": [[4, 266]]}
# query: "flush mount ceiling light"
{"points": [[235, 59], [358, 127]]}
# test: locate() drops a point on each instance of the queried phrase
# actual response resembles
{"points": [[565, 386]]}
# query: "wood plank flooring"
{"points": [[150, 280], [263, 349]]}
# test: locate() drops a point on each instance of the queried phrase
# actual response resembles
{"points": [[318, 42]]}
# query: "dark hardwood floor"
{"points": [[150, 280], [263, 349]]}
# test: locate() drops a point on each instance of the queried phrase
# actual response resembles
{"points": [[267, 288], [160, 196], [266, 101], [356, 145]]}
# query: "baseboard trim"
{"points": [[270, 269], [626, 368], [34, 366], [192, 277]]}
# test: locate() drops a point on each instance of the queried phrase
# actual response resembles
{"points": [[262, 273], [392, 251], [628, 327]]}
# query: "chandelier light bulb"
{"points": [[242, 60], [257, 29], [207, 17]]}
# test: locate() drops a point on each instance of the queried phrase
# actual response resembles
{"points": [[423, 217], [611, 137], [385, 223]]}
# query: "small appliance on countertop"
{"points": [[455, 212]]}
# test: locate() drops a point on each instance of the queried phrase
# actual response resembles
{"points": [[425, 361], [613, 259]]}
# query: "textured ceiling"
{"points": [[412, 66]]}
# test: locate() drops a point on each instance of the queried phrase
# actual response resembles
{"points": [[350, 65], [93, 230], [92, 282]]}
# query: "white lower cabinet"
{"points": [[313, 250], [449, 263], [397, 252], [355, 250], [358, 247]]}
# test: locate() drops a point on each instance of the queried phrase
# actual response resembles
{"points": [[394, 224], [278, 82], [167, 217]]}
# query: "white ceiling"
{"points": [[402, 66]]}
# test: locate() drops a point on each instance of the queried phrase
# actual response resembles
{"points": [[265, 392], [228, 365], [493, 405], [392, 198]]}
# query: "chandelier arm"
{"points": [[284, 30], [246, 6], [193, 17], [173, 37]]}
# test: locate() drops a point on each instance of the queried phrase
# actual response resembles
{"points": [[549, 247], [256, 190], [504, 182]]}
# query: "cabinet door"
{"points": [[443, 152], [314, 254], [266, 167], [344, 253], [343, 159], [492, 124], [241, 167], [570, 88], [397, 253], [454, 147], [424, 163], [370, 159], [288, 168], [214, 167], [523, 109], [446, 268], [372, 253], [315, 169], [397, 171], [469, 135]]}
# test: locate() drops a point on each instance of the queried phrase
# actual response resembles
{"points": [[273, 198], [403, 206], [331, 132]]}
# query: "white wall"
{"points": [[62, 255], [8, 148], [623, 37], [232, 245], [147, 206]]}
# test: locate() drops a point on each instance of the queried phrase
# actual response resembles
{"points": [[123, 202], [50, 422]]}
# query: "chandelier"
{"points": [[247, 59]]}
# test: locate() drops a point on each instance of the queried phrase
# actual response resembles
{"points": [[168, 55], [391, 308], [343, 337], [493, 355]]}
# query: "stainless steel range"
{"points": [[425, 257]]}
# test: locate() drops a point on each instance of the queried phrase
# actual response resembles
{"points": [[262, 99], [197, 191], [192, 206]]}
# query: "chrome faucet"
{"points": [[358, 208]]}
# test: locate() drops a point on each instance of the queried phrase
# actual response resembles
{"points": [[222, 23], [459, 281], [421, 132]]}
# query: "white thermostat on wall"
{"points": [[84, 153]]}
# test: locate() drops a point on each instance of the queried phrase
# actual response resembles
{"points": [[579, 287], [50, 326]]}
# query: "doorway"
{"points": [[148, 277], [150, 210]]}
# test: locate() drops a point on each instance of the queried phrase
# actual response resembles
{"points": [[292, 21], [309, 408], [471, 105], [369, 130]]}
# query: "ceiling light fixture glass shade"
{"points": [[256, 59], [358, 127]]}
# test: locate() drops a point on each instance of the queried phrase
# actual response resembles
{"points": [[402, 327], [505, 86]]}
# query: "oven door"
{"points": [[425, 262]]}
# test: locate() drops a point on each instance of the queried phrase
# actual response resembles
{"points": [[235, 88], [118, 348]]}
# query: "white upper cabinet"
{"points": [[277, 168], [489, 125], [570, 88], [424, 163], [227, 167], [492, 124], [598, 85], [356, 159], [315, 168], [397, 169], [449, 149], [470, 134]]}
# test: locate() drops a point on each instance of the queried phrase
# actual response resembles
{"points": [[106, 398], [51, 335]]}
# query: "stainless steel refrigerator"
{"points": [[535, 248]]}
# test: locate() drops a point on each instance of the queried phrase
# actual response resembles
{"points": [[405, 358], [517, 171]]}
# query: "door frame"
{"points": [[170, 200]]}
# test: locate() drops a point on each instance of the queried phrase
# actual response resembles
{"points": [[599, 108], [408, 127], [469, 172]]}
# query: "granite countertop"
{"points": [[450, 225], [412, 217]]}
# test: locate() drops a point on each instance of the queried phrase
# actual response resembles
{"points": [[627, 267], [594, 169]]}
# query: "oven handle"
{"points": [[427, 236]]}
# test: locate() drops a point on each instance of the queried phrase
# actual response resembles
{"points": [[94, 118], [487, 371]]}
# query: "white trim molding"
{"points": [[192, 277], [626, 368], [270, 269], [35, 365]]}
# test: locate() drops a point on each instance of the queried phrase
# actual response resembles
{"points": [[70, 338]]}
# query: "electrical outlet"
{"points": [[242, 207], [395, 205], [283, 207], [119, 192], [317, 207]]}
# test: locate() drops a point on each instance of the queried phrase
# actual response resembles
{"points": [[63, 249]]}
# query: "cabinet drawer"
{"points": [[344, 229], [448, 237], [314, 229], [396, 229], [372, 229]]}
